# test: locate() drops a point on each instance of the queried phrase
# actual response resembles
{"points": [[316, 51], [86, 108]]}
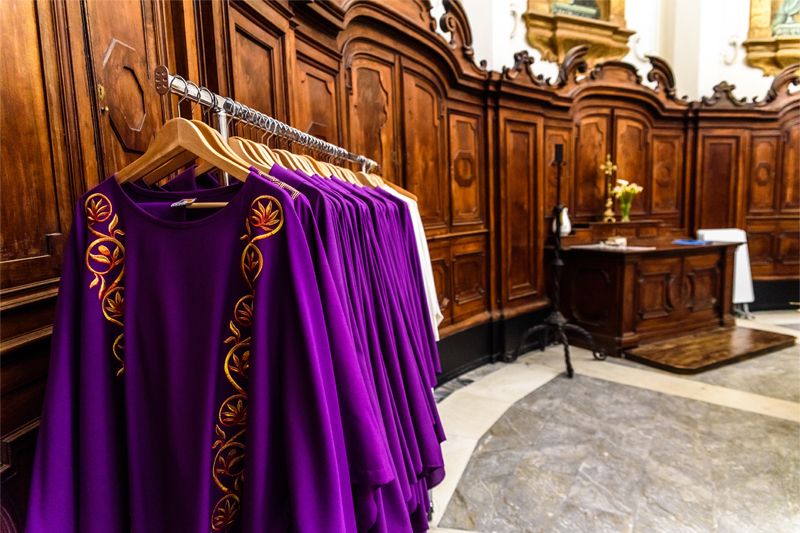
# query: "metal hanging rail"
{"points": [[228, 109]]}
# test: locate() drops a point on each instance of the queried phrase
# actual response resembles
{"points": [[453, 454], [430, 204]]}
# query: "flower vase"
{"points": [[626, 211]]}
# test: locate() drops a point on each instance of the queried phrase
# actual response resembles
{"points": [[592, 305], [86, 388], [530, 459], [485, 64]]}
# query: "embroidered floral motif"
{"points": [[264, 220], [105, 258]]}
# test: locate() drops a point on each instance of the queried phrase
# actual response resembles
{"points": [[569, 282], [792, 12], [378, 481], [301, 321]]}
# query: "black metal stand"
{"points": [[556, 324]]}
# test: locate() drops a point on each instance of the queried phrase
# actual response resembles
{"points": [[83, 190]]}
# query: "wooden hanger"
{"points": [[177, 144], [239, 147], [214, 138], [402, 191]]}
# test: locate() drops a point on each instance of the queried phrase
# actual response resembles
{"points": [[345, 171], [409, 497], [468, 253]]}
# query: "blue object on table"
{"points": [[690, 242]]}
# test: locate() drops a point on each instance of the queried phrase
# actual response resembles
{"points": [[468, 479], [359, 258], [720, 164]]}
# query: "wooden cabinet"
{"points": [[628, 298]]}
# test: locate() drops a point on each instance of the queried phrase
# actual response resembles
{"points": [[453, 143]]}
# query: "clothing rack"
{"points": [[228, 109]]}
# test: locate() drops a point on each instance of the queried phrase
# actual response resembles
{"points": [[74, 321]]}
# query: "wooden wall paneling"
{"points": [[318, 100], [668, 171], [591, 146], [126, 45], [631, 153], [372, 108], [519, 159], [787, 248], [258, 76], [466, 176], [424, 141], [469, 266], [761, 245], [558, 135], [762, 178], [442, 277], [719, 169], [790, 175]]}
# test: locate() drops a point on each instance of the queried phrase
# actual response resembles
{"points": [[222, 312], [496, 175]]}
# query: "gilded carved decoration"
{"points": [[554, 28], [773, 41]]}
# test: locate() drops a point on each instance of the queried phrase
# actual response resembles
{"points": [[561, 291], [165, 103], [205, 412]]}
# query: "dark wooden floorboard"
{"points": [[691, 354]]}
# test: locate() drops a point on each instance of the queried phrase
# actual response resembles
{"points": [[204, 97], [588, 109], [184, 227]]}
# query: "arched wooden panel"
{"points": [[591, 147], [372, 109], [666, 183], [317, 89], [632, 147], [425, 151]]}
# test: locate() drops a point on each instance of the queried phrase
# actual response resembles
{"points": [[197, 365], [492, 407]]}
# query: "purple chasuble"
{"points": [[184, 355]]}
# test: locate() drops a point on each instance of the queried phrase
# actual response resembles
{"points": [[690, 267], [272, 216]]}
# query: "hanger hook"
{"points": [[184, 95], [210, 98], [230, 116], [197, 87]]}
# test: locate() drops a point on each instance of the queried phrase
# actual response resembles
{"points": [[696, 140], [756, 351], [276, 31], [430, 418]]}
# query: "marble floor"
{"points": [[623, 447]]}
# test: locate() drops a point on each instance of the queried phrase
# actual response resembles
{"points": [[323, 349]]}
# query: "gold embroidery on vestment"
{"points": [[264, 220], [105, 258]]}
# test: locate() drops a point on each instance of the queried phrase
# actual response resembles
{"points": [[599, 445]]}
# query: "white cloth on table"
{"points": [[424, 259], [742, 278]]}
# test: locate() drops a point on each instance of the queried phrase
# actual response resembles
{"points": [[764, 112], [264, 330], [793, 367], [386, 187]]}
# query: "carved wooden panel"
{"points": [[590, 152], [440, 261], [373, 110], [466, 182], [631, 147], [759, 243], [557, 135], [423, 121], [518, 208], [658, 291], [790, 182], [317, 101], [787, 236], [763, 174], [667, 174], [701, 275], [591, 289], [468, 259], [719, 165], [125, 50], [258, 66]]}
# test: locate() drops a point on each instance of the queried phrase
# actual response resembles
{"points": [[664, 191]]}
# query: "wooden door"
{"points": [[632, 156], [424, 157], [591, 147], [372, 108], [127, 41]]}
